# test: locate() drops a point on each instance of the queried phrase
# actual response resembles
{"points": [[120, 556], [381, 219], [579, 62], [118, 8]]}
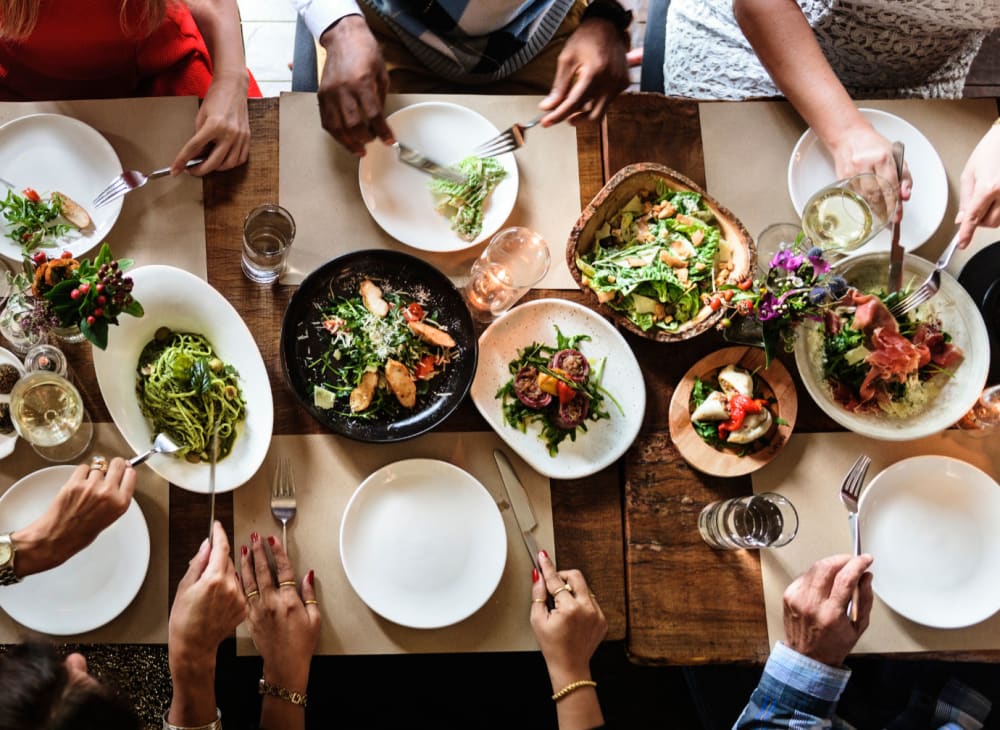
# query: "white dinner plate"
{"points": [[604, 441], [50, 152], [9, 440], [398, 196], [423, 543], [183, 302], [811, 168], [90, 588], [931, 524]]}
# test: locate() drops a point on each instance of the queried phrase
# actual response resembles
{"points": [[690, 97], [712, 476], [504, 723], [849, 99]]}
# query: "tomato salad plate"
{"points": [[561, 386]]}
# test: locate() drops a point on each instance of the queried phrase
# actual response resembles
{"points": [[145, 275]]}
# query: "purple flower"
{"points": [[818, 295], [768, 308], [787, 260], [819, 264]]}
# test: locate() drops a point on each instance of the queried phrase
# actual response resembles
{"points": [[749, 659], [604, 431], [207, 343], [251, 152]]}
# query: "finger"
{"points": [[565, 70], [219, 559], [597, 110], [866, 599], [129, 479], [991, 219], [906, 184], [573, 100], [265, 583], [232, 158], [80, 474], [847, 578], [372, 106], [819, 578], [214, 160], [283, 566], [552, 580], [539, 595], [116, 470], [190, 150], [197, 565], [577, 582], [309, 594], [246, 570]]}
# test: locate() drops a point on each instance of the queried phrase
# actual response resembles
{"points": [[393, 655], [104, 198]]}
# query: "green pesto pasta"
{"points": [[187, 392]]}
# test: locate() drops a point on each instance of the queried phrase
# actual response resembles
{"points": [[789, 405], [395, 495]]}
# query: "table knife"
{"points": [[423, 163], [520, 503], [213, 457], [896, 250]]}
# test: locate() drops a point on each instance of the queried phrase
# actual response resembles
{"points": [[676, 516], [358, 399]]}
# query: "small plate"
{"points": [[50, 152], [710, 460], [930, 522], [604, 441], [9, 440], [423, 543], [303, 338], [981, 278], [185, 303], [811, 168], [92, 587], [398, 197]]}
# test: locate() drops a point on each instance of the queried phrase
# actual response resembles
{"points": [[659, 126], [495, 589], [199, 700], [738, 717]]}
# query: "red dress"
{"points": [[79, 50]]}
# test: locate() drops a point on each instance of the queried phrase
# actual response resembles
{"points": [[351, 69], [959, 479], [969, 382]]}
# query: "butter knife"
{"points": [[896, 250], [411, 157], [519, 502], [213, 457]]}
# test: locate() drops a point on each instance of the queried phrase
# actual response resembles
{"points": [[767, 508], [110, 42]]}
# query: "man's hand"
{"points": [[979, 199], [353, 85], [815, 607], [591, 71]]}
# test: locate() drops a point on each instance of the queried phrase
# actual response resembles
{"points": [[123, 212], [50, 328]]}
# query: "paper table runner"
{"points": [[164, 223], [808, 471], [748, 145], [318, 185], [145, 620], [327, 471]]}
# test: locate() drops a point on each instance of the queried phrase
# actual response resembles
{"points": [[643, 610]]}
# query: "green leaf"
{"points": [[134, 308], [96, 333], [103, 256]]}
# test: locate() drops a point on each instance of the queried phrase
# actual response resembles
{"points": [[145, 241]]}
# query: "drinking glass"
{"points": [[20, 338], [268, 232], [47, 411], [772, 239], [516, 259], [849, 213], [984, 418], [762, 520]]}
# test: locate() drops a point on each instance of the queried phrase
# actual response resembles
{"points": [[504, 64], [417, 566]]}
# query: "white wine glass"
{"points": [[47, 411], [847, 214]]}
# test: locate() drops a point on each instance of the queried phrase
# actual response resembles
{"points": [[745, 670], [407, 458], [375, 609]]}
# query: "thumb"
{"points": [[539, 594]]}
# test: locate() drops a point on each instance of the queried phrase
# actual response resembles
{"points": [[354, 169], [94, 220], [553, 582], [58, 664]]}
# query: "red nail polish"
{"points": [[243, 549], [270, 540], [534, 575], [310, 577], [254, 536], [545, 554]]}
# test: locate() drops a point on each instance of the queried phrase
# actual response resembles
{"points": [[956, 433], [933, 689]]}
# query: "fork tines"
{"points": [[116, 189], [915, 299], [856, 477], [507, 141]]}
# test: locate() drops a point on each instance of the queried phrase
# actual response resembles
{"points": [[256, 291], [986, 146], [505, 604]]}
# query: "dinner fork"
{"points": [[283, 497], [507, 141], [132, 179], [930, 286], [850, 490]]}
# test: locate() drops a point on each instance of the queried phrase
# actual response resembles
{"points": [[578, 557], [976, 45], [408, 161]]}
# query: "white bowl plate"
{"points": [[604, 441], [397, 195], [423, 543], [930, 523], [51, 152], [811, 168], [181, 301], [92, 587]]}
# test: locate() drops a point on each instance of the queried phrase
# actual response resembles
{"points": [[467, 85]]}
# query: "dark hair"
{"points": [[37, 695]]}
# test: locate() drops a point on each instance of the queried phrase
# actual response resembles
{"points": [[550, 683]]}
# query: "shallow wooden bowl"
{"points": [[737, 246]]}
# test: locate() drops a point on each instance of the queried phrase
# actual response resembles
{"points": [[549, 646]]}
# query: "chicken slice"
{"points": [[400, 383], [361, 397], [431, 334], [74, 212], [372, 297]]}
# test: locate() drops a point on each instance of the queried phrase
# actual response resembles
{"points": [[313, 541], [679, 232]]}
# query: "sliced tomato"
{"points": [[565, 392], [413, 312], [333, 325], [32, 195], [425, 368]]}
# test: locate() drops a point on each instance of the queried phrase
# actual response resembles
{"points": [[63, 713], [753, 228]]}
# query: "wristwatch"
{"points": [[610, 10], [7, 553]]}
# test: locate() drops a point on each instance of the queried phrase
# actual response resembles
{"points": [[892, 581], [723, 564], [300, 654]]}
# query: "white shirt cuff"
{"points": [[321, 14]]}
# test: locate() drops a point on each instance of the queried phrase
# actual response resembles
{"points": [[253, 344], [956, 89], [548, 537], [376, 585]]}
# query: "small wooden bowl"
{"points": [[708, 459], [737, 246]]}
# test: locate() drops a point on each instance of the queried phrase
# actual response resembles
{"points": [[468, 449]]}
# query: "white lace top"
{"points": [[877, 48]]}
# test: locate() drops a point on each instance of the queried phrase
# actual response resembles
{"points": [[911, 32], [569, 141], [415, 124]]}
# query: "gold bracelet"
{"points": [[573, 687], [997, 122], [282, 693], [214, 725]]}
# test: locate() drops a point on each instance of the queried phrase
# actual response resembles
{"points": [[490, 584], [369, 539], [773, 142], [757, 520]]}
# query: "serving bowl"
{"points": [[736, 246]]}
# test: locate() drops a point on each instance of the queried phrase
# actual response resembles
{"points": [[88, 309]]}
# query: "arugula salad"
{"points": [[556, 387], [463, 202], [35, 221], [655, 260], [383, 352]]}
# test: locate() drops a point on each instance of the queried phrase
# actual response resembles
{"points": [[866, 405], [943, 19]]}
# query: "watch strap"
{"points": [[7, 574], [610, 10]]}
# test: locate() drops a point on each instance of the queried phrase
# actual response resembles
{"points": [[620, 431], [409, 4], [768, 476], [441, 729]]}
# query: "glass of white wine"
{"points": [[48, 413], [849, 213]]}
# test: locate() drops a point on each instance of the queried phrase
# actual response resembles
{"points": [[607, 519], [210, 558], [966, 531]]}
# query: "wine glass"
{"points": [[47, 411], [848, 213]]}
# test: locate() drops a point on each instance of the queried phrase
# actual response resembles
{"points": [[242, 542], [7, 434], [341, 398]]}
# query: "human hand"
{"points": [[284, 628], [88, 502], [222, 122], [815, 608], [859, 148], [353, 86], [590, 72], [979, 199]]}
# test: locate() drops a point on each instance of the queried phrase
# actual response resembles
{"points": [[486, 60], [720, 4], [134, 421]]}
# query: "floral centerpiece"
{"points": [[81, 293]]}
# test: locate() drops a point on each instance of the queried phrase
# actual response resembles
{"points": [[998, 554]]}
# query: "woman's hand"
{"points": [[979, 199], [222, 123], [859, 148]]}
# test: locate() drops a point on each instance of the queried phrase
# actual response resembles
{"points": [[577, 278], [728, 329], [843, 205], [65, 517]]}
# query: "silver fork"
{"points": [[283, 497], [930, 286], [507, 141], [132, 179], [850, 490]]}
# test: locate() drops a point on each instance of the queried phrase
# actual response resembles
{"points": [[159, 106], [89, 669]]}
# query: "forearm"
{"points": [[193, 702], [277, 713], [36, 552], [219, 23], [580, 709]]}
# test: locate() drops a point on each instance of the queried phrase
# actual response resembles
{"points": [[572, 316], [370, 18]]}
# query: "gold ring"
{"points": [[99, 463], [291, 583], [251, 594], [311, 602], [560, 589], [538, 600]]}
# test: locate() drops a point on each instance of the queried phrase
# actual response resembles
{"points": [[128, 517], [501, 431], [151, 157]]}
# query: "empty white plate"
{"points": [[50, 152], [811, 168], [398, 196], [931, 524], [90, 588], [423, 543]]}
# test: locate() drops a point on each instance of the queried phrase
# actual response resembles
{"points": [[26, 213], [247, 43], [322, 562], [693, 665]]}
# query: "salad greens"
{"points": [[32, 219], [463, 202]]}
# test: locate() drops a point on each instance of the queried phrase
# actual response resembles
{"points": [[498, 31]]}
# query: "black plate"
{"points": [[981, 278], [302, 338]]}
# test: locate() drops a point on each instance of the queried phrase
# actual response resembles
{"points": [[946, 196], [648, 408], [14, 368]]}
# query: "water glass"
{"points": [[516, 259], [849, 213], [772, 239], [47, 411], [762, 520], [984, 418], [268, 232]]}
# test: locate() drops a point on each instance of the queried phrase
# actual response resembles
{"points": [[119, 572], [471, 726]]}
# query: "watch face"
{"points": [[6, 552]]}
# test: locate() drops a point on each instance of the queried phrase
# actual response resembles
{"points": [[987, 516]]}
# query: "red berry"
{"points": [[84, 287], [40, 257], [100, 288], [91, 319], [102, 300], [75, 294], [67, 255], [98, 312]]}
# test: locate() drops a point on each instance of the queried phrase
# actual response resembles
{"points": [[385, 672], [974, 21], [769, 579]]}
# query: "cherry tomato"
{"points": [[745, 284], [66, 255], [565, 392], [32, 195], [40, 257], [425, 368], [413, 312], [715, 302]]}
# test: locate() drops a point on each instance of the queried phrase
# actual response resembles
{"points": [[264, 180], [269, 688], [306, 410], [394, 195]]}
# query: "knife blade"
{"points": [[213, 457], [896, 250], [518, 498], [411, 157]]}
